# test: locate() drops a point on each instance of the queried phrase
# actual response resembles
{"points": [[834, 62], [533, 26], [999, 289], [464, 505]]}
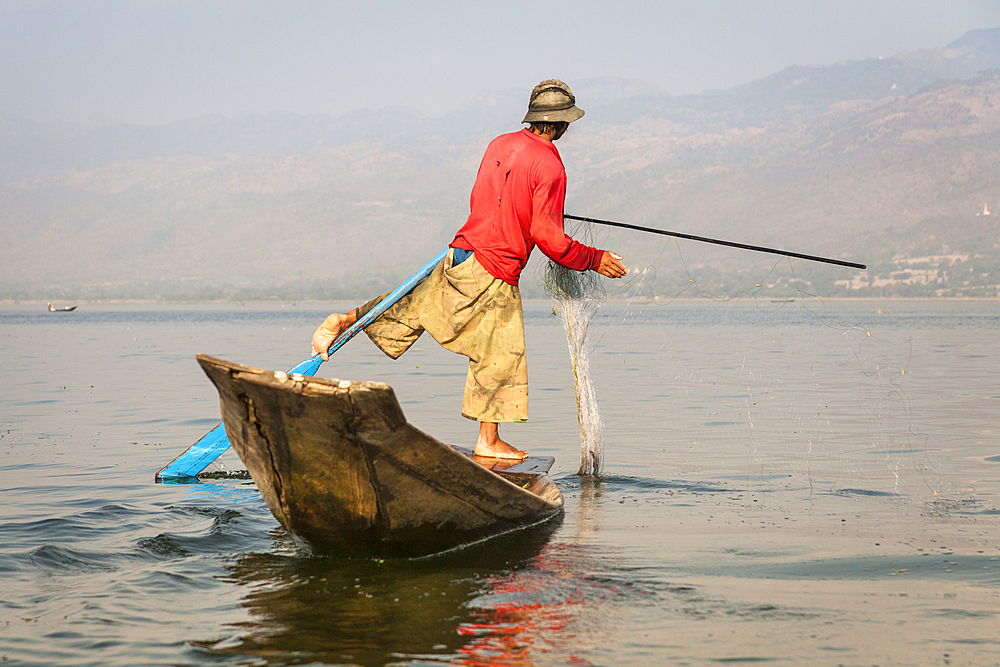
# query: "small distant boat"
{"points": [[64, 309], [342, 470], [986, 210]]}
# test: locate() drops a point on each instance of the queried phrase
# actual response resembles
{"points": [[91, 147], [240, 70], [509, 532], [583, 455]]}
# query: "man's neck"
{"points": [[548, 136]]}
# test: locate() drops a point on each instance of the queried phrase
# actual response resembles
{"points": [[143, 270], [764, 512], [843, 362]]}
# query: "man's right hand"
{"points": [[611, 265]]}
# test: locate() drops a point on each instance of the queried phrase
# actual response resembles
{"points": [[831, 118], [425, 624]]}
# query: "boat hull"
{"points": [[340, 468]]}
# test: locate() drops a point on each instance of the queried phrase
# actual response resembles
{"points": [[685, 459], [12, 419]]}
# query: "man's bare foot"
{"points": [[328, 331], [504, 451], [491, 446]]}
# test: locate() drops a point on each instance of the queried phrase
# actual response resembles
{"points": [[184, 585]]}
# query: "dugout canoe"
{"points": [[342, 470]]}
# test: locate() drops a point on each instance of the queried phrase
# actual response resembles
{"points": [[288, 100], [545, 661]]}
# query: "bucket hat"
{"points": [[551, 102]]}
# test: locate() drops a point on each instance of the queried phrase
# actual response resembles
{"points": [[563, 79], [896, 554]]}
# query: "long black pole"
{"points": [[731, 244]]}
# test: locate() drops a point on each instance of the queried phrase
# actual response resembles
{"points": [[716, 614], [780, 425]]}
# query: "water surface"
{"points": [[796, 482]]}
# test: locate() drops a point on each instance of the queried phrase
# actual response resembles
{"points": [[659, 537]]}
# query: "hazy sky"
{"points": [[158, 61]]}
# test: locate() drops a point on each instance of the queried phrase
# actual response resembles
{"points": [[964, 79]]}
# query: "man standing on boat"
{"points": [[471, 303]]}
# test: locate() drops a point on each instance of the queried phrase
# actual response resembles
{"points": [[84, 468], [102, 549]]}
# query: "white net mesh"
{"points": [[579, 295]]}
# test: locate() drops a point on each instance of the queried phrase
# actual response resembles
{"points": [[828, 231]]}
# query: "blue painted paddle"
{"points": [[214, 444]]}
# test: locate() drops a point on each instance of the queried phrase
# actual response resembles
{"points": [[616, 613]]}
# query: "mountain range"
{"points": [[889, 161]]}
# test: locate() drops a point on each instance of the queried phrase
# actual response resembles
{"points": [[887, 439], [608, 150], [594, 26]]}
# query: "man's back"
{"points": [[517, 202]]}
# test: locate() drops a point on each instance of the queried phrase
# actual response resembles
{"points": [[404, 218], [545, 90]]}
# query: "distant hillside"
{"points": [[886, 161], [877, 182], [801, 91]]}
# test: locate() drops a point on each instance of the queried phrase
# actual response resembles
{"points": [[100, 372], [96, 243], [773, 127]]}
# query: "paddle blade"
{"points": [[307, 367], [197, 457]]}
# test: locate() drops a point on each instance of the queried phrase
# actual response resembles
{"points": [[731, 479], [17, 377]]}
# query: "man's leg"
{"points": [[491, 445]]}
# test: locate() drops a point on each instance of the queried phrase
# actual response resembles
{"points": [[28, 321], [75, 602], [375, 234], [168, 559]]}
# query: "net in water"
{"points": [[579, 295]]}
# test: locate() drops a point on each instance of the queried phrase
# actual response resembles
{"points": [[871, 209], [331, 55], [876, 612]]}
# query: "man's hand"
{"points": [[328, 331], [611, 265]]}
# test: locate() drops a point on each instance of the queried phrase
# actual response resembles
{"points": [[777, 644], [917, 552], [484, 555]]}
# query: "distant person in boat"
{"points": [[471, 303], [64, 309]]}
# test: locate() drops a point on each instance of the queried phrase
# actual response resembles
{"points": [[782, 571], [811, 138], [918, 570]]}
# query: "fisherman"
{"points": [[471, 303]]}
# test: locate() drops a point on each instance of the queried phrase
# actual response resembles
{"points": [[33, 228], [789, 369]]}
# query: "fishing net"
{"points": [[748, 374], [579, 295]]}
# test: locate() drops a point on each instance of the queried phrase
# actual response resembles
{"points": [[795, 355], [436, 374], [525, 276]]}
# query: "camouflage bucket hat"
{"points": [[551, 102]]}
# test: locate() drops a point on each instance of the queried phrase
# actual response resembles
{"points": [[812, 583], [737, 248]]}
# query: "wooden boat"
{"points": [[342, 470], [64, 309]]}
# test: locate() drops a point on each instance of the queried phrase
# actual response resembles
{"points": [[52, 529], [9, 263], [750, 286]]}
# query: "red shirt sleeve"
{"points": [[546, 228]]}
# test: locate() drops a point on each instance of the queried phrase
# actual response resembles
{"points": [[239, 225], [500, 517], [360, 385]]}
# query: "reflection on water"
{"points": [[515, 600], [333, 610]]}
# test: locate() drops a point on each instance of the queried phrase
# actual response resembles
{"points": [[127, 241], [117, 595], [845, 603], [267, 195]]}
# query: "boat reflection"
{"points": [[544, 595], [306, 609]]}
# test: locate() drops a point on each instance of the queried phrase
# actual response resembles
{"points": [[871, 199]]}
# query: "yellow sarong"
{"points": [[469, 312]]}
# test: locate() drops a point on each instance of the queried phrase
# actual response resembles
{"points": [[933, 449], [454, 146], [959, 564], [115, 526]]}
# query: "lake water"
{"points": [[800, 482]]}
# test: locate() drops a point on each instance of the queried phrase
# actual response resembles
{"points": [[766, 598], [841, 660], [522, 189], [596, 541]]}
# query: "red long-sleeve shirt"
{"points": [[517, 203]]}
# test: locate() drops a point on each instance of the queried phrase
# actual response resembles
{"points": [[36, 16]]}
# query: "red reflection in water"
{"points": [[526, 614]]}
